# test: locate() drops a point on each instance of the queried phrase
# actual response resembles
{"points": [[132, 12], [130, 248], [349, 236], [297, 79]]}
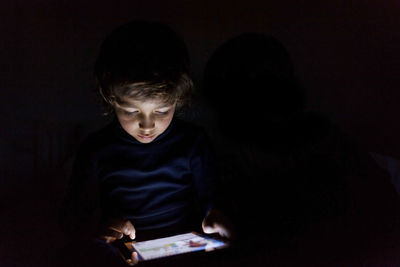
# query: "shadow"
{"points": [[291, 181], [250, 82]]}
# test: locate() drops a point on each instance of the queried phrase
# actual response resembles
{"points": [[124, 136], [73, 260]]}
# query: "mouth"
{"points": [[146, 137]]}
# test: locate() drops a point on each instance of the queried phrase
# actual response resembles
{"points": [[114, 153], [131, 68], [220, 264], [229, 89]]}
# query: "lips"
{"points": [[146, 136]]}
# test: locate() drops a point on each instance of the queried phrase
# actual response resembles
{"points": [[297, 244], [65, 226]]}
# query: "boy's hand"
{"points": [[216, 222], [133, 260], [116, 229]]}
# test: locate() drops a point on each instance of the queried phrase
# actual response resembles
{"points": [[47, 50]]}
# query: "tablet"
{"points": [[175, 245]]}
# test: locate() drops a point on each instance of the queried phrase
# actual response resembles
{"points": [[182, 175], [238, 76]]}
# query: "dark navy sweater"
{"points": [[167, 182]]}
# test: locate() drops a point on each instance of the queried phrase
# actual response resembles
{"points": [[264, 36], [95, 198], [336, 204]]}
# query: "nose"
{"points": [[147, 123]]}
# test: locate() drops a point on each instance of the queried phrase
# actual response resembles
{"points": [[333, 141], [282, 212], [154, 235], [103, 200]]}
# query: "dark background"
{"points": [[346, 53]]}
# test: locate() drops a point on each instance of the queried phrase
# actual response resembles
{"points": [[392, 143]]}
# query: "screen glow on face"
{"points": [[144, 120]]}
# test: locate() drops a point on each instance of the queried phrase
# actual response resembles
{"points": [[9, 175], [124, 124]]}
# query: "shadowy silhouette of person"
{"points": [[291, 181]]}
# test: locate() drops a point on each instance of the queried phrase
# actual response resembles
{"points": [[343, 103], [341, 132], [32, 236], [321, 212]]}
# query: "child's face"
{"points": [[144, 119]]}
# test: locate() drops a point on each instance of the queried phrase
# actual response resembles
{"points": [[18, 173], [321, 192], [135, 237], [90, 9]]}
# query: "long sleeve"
{"points": [[162, 184]]}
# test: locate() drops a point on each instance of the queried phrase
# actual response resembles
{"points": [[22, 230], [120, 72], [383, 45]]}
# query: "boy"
{"points": [[147, 172]]}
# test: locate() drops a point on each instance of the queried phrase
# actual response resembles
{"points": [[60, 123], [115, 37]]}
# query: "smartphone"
{"points": [[172, 245]]}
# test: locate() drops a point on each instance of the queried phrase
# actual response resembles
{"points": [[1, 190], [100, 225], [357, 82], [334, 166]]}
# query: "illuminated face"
{"points": [[144, 120]]}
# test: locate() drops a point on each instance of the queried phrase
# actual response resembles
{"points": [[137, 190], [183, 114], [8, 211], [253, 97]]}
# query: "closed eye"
{"points": [[161, 112], [130, 112]]}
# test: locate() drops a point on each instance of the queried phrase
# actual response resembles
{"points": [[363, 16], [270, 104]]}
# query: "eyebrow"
{"points": [[125, 104]]}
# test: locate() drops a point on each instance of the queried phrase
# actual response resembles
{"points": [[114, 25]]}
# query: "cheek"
{"points": [[129, 125], [163, 123]]}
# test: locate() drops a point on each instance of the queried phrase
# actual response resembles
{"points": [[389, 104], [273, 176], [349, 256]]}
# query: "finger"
{"points": [[216, 228], [205, 223], [208, 226], [125, 227], [222, 231], [107, 239], [110, 232], [128, 229], [133, 260], [209, 229], [135, 257], [225, 230]]}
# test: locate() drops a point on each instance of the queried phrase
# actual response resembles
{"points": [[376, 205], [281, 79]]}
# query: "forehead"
{"points": [[130, 102]]}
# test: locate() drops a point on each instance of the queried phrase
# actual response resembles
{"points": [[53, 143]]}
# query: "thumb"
{"points": [[208, 227], [133, 260]]}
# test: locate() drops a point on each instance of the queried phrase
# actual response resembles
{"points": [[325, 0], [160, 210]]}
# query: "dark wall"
{"points": [[345, 52]]}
